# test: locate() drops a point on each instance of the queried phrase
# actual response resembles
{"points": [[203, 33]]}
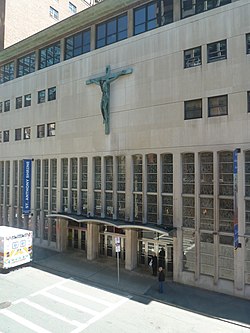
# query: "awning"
{"points": [[168, 231]]}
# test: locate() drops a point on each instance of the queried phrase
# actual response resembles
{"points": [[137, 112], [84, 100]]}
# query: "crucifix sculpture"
{"points": [[104, 83]]}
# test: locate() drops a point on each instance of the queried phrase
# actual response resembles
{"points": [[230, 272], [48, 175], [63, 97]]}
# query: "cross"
{"points": [[104, 83]]}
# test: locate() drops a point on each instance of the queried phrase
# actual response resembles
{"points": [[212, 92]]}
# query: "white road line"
{"points": [[49, 312], [48, 288], [68, 303], [100, 315], [24, 322], [91, 298]]}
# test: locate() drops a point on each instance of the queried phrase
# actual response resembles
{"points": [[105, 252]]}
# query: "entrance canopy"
{"points": [[167, 231]]}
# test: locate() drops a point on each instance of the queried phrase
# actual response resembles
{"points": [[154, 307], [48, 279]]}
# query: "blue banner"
{"points": [[26, 185], [235, 178]]}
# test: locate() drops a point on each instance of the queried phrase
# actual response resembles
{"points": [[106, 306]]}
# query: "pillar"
{"points": [[92, 241], [131, 250]]}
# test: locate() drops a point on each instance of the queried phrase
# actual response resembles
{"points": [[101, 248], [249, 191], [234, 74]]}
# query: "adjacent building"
{"points": [[126, 127]]}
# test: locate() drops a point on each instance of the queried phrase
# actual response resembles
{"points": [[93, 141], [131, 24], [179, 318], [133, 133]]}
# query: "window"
{"points": [[54, 13], [18, 134], [41, 131], [111, 31], [72, 8], [6, 136], [193, 109], [49, 56], [1, 107], [19, 102], [217, 106], [52, 94], [192, 57], [51, 129], [41, 96], [26, 133], [248, 101], [27, 100], [77, 44], [7, 72], [26, 64], [248, 43], [217, 51], [153, 15], [7, 105], [192, 7]]}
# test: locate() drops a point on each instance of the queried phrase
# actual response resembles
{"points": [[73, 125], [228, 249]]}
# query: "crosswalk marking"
{"points": [[91, 298], [24, 322], [69, 303]]}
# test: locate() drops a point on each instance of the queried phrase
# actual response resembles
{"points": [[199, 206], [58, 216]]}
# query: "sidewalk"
{"points": [[143, 286]]}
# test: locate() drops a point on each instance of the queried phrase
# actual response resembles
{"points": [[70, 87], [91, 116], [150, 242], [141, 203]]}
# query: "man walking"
{"points": [[161, 279]]}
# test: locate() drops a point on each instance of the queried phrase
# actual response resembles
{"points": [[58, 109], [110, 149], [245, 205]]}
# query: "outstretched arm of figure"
{"points": [[96, 81], [123, 72]]}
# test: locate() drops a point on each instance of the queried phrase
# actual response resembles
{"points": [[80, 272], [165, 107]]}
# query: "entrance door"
{"points": [[107, 245], [77, 239]]}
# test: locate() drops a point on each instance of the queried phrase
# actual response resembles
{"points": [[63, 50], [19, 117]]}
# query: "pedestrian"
{"points": [[161, 279], [154, 264], [162, 258]]}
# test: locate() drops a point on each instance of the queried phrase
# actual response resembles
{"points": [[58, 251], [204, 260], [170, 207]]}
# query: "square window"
{"points": [[51, 129], [217, 51], [18, 134], [72, 8], [41, 131], [217, 106], [248, 43], [19, 102], [248, 101], [193, 109], [6, 136], [27, 100], [54, 13], [7, 105], [1, 107], [52, 94], [41, 96], [192, 57], [26, 133]]}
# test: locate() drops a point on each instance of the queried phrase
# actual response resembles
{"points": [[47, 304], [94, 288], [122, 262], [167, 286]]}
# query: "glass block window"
{"points": [[27, 100], [247, 191], [188, 212], [18, 134], [84, 173], [217, 51], [167, 173], [206, 174], [74, 201], [137, 176], [226, 173], [226, 215], [109, 173], [84, 202], [53, 172], [192, 57], [138, 207], [193, 109], [188, 173], [152, 208], [53, 229], [65, 201], [41, 131], [52, 94], [74, 173], [226, 257], [49, 55], [121, 173], [98, 173], [65, 173], [26, 64], [19, 102], [189, 250], [217, 106], [206, 213], [77, 44], [7, 72], [41, 96], [167, 210], [207, 264], [151, 173], [111, 31]]}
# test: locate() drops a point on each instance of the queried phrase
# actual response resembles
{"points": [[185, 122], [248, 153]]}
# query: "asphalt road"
{"points": [[33, 300]]}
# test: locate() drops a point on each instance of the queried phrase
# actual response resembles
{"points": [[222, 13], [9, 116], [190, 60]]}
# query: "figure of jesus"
{"points": [[104, 83]]}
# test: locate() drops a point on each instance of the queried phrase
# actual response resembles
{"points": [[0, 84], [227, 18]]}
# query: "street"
{"points": [[33, 300]]}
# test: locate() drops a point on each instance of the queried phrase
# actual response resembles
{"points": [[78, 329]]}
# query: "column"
{"points": [[92, 241], [177, 10], [61, 231], [131, 249]]}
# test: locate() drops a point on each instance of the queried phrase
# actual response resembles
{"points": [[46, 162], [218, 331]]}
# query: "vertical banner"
{"points": [[235, 184], [26, 185]]}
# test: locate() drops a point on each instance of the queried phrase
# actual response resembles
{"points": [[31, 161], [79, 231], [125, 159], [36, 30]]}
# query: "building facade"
{"points": [[134, 119], [21, 19]]}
